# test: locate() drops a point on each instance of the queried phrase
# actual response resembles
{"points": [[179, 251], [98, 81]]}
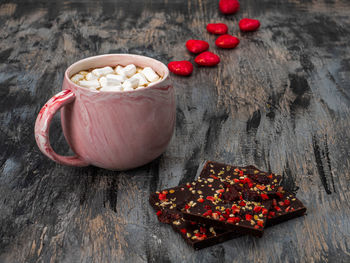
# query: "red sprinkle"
{"points": [[197, 46], [274, 202], [242, 203], [281, 203], [187, 206], [201, 200], [162, 196], [236, 180], [183, 68], [271, 213], [207, 59], [217, 29], [203, 230], [214, 177], [159, 213], [260, 223], [247, 24], [265, 211], [264, 196], [248, 217], [183, 230], [228, 7]]}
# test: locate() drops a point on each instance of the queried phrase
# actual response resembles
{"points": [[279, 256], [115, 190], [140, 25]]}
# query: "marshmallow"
{"points": [[141, 78], [130, 84], [111, 88], [129, 70], [91, 76], [119, 70], [103, 81], [115, 79], [102, 71], [92, 84], [77, 77], [150, 74]]}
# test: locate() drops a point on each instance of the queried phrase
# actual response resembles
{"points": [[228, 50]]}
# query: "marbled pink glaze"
{"points": [[112, 130]]}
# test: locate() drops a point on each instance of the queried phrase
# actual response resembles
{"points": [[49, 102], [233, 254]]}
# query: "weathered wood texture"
{"points": [[279, 101]]}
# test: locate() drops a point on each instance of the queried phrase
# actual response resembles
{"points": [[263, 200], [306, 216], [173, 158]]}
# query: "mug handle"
{"points": [[42, 128]]}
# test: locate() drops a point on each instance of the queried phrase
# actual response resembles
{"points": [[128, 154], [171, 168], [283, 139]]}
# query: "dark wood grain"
{"points": [[279, 101]]}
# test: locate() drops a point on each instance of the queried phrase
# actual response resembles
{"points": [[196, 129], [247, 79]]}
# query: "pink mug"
{"points": [[111, 130]]}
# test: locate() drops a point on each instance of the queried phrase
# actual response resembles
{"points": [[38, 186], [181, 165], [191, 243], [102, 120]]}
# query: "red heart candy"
{"points": [[247, 24], [197, 46], [227, 41], [228, 7], [217, 29], [183, 68], [208, 59]]}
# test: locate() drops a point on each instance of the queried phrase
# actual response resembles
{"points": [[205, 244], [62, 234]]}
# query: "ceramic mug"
{"points": [[111, 130]]}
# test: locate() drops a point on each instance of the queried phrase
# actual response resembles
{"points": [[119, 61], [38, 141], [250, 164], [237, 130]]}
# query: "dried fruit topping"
{"points": [[257, 209], [247, 24], [183, 68], [286, 202], [264, 196], [261, 187], [242, 203], [162, 197], [271, 213], [277, 208], [197, 46], [207, 59], [217, 28], [211, 198], [248, 217], [159, 213], [228, 7], [280, 195], [208, 213], [233, 220], [260, 223]]}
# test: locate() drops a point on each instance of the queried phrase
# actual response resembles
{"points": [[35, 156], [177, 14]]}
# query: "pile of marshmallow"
{"points": [[120, 78]]}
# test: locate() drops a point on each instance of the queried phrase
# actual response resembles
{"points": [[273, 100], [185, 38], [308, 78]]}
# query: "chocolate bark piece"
{"points": [[166, 203], [200, 236], [250, 182], [284, 208]]}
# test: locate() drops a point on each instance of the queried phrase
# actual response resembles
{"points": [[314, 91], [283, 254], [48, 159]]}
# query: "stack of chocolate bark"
{"points": [[225, 202]]}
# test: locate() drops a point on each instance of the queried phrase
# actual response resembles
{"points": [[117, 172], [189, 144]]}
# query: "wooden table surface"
{"points": [[279, 101]]}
